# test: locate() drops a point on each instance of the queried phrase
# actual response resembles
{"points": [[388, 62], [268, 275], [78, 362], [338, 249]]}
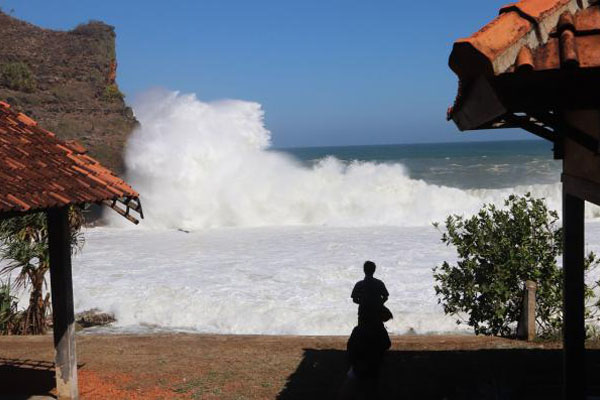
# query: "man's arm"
{"points": [[355, 294], [384, 293]]}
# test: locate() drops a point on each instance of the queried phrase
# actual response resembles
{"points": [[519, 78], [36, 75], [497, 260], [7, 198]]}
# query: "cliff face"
{"points": [[66, 81]]}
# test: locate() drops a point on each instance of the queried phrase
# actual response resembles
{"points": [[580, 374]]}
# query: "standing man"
{"points": [[369, 340], [370, 294]]}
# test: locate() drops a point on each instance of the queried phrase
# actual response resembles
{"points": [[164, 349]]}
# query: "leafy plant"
{"points": [[498, 250], [17, 76], [25, 249], [8, 309], [112, 92]]}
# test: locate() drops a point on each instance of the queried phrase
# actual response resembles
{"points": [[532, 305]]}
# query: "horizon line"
{"points": [[407, 144]]}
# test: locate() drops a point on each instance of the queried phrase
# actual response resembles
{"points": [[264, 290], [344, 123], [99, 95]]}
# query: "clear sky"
{"points": [[327, 72]]}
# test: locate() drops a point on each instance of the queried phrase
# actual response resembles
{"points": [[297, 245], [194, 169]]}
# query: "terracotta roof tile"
{"points": [[524, 60], [546, 36], [536, 9], [493, 49], [486, 49], [39, 171]]}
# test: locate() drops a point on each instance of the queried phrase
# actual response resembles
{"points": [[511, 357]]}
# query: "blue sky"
{"points": [[326, 72]]}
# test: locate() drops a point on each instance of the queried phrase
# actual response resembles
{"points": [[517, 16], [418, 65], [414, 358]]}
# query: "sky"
{"points": [[327, 72]]}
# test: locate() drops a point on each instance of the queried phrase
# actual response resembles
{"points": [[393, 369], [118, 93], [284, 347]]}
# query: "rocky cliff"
{"points": [[67, 82]]}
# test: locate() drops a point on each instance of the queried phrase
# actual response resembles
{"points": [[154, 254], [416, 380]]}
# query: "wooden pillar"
{"points": [[527, 323], [62, 303], [573, 299]]}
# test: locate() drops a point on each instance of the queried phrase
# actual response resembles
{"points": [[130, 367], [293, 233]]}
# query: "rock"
{"points": [[94, 317]]}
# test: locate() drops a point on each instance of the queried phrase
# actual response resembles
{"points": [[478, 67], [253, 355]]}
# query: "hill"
{"points": [[66, 80]]}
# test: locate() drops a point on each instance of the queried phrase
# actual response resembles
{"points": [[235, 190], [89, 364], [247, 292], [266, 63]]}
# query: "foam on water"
{"points": [[270, 280], [274, 280], [205, 165], [276, 245]]}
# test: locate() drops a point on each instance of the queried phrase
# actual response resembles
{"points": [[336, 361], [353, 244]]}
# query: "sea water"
{"points": [[244, 238]]}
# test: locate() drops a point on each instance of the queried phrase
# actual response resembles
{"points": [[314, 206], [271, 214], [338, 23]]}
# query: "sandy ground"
{"points": [[183, 366]]}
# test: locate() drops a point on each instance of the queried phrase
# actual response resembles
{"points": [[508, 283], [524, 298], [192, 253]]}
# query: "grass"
{"points": [[112, 92], [194, 388], [17, 76]]}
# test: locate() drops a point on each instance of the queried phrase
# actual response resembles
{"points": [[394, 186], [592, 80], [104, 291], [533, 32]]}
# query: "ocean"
{"points": [[244, 238], [463, 165]]}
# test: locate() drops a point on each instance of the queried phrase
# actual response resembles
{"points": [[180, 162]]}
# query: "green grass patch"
{"points": [[112, 92], [17, 76]]}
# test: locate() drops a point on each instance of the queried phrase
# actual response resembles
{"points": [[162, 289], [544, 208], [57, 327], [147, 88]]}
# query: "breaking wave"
{"points": [[207, 164]]}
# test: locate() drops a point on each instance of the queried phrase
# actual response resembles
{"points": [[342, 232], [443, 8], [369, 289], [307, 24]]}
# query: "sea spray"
{"points": [[207, 164]]}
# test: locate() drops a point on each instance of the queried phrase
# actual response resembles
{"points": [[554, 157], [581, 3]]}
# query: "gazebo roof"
{"points": [[40, 171], [536, 55]]}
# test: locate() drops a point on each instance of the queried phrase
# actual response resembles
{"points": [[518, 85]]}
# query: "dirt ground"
{"points": [[182, 366]]}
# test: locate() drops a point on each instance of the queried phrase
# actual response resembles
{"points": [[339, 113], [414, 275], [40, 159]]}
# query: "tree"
{"points": [[25, 248], [498, 250], [8, 309]]}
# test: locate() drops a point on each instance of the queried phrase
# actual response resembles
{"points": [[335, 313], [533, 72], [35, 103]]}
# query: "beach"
{"points": [[280, 241], [227, 367], [237, 283]]}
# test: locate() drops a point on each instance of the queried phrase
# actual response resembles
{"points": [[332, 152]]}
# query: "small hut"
{"points": [[39, 172], [537, 67]]}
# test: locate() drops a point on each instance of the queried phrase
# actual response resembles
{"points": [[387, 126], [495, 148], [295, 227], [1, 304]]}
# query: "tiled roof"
{"points": [[543, 36], [39, 171]]}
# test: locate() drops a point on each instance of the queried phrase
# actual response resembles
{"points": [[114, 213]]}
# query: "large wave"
{"points": [[206, 164]]}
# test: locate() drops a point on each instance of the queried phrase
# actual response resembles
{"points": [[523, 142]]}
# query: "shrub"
{"points": [[112, 92], [17, 76], [8, 309], [25, 250], [498, 250]]}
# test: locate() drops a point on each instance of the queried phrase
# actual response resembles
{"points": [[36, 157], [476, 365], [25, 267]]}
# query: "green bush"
{"points": [[24, 251], [498, 250], [17, 76], [8, 309], [112, 92]]}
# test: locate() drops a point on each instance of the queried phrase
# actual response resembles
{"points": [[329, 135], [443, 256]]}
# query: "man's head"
{"points": [[369, 268]]}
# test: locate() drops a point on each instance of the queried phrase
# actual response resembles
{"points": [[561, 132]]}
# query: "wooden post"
{"points": [[573, 299], [527, 323], [62, 303]]}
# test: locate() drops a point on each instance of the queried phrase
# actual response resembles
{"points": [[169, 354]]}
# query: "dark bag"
{"points": [[386, 314]]}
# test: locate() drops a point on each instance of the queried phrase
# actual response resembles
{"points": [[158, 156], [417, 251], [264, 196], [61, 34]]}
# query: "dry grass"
{"points": [[179, 366]]}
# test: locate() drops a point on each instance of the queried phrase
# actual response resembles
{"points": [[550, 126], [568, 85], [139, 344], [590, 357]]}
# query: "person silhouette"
{"points": [[370, 294], [369, 339]]}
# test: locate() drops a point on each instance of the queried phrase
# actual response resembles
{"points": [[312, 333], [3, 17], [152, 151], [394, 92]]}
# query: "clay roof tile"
{"points": [[25, 119], [524, 59], [494, 48], [535, 9], [548, 36], [76, 146], [39, 171]]}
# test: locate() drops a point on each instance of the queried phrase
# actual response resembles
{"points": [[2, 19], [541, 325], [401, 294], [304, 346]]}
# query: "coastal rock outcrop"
{"points": [[66, 80], [94, 317]]}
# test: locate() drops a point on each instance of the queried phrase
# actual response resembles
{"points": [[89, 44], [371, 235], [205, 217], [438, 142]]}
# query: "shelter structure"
{"points": [[41, 173], [537, 67]]}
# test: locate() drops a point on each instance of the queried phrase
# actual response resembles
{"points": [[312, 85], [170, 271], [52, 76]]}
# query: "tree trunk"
{"points": [[35, 322]]}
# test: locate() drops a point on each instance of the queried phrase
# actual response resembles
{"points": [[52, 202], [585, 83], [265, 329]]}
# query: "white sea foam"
{"points": [[275, 246], [205, 165], [270, 280]]}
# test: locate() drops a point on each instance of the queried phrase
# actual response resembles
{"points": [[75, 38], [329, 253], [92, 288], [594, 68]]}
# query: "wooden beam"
{"points": [[574, 380], [480, 105], [62, 303], [525, 122], [582, 188], [12, 214], [577, 135]]}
